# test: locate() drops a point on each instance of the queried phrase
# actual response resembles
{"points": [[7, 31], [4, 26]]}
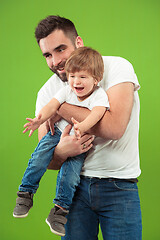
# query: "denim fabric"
{"points": [[67, 180], [68, 177], [39, 162], [114, 204]]}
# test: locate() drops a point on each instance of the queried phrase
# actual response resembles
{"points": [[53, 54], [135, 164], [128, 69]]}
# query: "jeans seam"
{"points": [[124, 189]]}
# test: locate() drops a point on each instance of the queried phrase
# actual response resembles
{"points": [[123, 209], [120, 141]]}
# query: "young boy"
{"points": [[84, 70]]}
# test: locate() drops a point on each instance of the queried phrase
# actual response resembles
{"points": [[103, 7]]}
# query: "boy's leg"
{"points": [[39, 162], [67, 181], [36, 168]]}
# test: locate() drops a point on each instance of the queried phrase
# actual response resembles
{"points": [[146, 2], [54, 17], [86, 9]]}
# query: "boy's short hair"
{"points": [[86, 59]]}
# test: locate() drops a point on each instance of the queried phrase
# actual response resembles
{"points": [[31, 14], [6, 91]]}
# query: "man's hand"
{"points": [[70, 146], [52, 121]]}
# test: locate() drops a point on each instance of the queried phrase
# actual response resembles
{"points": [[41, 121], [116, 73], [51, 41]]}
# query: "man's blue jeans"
{"points": [[114, 204], [68, 176]]}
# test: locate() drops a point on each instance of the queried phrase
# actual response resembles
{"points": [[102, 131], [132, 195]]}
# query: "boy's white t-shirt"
{"points": [[107, 158], [97, 98]]}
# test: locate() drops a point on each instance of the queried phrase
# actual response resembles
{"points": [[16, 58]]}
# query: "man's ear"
{"points": [[79, 42]]}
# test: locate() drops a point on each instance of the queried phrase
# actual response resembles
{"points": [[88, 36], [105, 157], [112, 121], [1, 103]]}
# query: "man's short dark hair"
{"points": [[52, 23]]}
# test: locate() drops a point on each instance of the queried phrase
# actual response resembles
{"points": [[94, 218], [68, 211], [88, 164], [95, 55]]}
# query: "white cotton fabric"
{"points": [[113, 158], [97, 98]]}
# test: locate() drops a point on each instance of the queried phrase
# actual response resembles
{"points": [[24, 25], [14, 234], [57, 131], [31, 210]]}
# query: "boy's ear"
{"points": [[95, 82], [79, 42]]}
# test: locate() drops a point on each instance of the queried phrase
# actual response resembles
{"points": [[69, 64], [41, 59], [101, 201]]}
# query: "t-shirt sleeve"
{"points": [[47, 92], [61, 95], [42, 100], [119, 70], [100, 99]]}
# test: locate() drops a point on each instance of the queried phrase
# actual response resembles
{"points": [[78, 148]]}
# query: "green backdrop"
{"points": [[126, 28]]}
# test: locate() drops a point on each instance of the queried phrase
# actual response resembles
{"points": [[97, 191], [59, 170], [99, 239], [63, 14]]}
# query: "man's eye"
{"points": [[47, 56]]}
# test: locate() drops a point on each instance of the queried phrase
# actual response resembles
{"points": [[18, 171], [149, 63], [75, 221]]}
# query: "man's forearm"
{"points": [[114, 122], [56, 162], [67, 111]]}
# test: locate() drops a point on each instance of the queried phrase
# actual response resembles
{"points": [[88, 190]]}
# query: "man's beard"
{"points": [[62, 76]]}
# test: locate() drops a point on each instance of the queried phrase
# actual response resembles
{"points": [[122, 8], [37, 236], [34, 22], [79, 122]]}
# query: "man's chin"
{"points": [[62, 76]]}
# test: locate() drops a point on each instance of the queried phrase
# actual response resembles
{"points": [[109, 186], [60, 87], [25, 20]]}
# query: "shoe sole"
{"points": [[20, 216], [53, 231]]}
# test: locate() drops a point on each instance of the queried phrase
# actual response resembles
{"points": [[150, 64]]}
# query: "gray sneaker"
{"points": [[56, 220], [23, 204]]}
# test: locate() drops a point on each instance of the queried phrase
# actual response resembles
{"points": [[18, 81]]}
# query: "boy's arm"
{"points": [[114, 122], [49, 110], [94, 116], [45, 113]]}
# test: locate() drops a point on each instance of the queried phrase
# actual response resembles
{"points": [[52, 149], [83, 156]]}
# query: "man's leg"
{"points": [[118, 210], [115, 204], [82, 221]]}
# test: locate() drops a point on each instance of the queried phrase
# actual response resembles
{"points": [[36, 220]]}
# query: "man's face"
{"points": [[57, 48]]}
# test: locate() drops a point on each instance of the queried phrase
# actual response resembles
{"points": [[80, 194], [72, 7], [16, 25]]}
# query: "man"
{"points": [[108, 193]]}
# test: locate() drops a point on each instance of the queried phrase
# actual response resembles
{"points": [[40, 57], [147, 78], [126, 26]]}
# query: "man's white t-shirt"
{"points": [[107, 158]]}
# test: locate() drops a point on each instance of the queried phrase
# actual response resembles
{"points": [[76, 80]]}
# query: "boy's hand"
{"points": [[32, 125], [77, 130]]}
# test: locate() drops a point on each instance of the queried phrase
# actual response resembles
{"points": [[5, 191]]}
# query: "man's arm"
{"points": [[114, 122], [69, 146]]}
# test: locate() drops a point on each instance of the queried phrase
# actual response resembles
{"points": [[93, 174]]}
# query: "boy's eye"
{"points": [[61, 50], [83, 76]]}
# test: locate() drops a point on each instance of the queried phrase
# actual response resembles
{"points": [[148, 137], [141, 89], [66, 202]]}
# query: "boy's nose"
{"points": [[77, 81]]}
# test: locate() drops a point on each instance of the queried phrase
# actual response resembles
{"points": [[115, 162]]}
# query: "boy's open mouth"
{"points": [[79, 89]]}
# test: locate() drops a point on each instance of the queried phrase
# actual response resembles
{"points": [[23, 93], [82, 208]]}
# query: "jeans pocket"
{"points": [[125, 186]]}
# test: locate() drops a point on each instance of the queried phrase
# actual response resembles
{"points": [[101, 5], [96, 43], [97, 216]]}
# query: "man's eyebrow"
{"points": [[60, 46], [45, 54], [55, 49]]}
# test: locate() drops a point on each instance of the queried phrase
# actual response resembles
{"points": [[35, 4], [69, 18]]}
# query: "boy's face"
{"points": [[57, 48], [82, 83]]}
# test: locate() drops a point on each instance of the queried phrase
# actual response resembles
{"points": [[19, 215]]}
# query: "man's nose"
{"points": [[56, 60]]}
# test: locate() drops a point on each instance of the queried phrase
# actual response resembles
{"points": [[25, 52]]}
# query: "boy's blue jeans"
{"points": [[68, 176]]}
